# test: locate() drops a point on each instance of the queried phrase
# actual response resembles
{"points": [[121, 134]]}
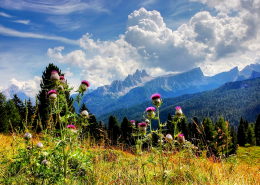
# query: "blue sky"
{"points": [[101, 41]]}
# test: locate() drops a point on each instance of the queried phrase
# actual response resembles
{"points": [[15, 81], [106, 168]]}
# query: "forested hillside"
{"points": [[232, 101]]}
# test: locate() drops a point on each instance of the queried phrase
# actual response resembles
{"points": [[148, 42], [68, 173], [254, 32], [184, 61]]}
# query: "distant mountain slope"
{"points": [[13, 89], [232, 100]]}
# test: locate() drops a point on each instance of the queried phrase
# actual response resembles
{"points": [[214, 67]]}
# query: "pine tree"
{"points": [[83, 107], [13, 115], [233, 136], [241, 133], [257, 130], [183, 127], [46, 85], [170, 125], [251, 134], [209, 129], [113, 129], [4, 124], [94, 127], [126, 129], [19, 105]]}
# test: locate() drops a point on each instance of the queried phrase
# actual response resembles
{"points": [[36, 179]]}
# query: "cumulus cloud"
{"points": [[68, 73], [30, 87], [205, 41]]}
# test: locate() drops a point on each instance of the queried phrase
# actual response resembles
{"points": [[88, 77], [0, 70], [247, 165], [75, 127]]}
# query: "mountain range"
{"points": [[138, 88], [232, 100]]}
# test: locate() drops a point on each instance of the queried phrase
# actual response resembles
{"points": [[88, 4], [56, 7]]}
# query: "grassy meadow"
{"points": [[92, 163]]}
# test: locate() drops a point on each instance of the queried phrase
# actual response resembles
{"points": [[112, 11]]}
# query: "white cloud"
{"points": [[206, 41], [5, 15], [60, 7], [64, 23], [68, 73], [22, 21], [30, 87], [14, 33]]}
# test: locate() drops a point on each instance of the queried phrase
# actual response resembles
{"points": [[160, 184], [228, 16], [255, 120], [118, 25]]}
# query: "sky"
{"points": [[101, 41]]}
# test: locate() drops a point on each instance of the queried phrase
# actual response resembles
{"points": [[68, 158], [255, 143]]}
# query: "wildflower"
{"points": [[84, 85], [45, 162], [27, 136], [178, 111], [62, 79], [39, 145], [85, 113], [71, 126], [181, 139], [60, 87], [169, 137], [133, 122], [52, 94], [156, 99], [55, 75], [28, 147], [150, 111], [147, 121], [142, 126]]}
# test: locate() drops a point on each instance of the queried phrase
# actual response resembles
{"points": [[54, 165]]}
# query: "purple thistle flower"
{"points": [[62, 78], [85, 82], [155, 96], [51, 92], [132, 121], [148, 109], [71, 126], [53, 72], [142, 124], [178, 107]]}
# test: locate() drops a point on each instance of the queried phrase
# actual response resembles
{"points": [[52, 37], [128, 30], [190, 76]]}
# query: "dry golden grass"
{"points": [[114, 166]]}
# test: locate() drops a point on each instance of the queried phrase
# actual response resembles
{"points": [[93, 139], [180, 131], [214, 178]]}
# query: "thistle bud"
{"points": [[84, 113], [27, 136], [45, 162], [150, 111], [52, 94], [181, 139], [142, 127], [62, 79], [178, 111], [39, 145], [133, 123], [156, 99], [147, 121], [84, 85], [160, 141], [169, 137], [60, 87], [28, 147], [54, 75]]}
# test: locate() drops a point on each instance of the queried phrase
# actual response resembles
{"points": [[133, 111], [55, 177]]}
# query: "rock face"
{"points": [[139, 87], [13, 89], [247, 71], [255, 74]]}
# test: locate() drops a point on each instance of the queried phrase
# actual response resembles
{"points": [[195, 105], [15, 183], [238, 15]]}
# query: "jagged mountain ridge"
{"points": [[13, 89], [112, 97]]}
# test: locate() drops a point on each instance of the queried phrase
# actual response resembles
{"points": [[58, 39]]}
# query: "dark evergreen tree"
{"points": [[4, 124], [209, 129], [114, 129], [251, 134], [83, 107], [189, 131], [46, 85], [233, 136], [31, 110], [183, 126], [20, 106], [93, 127], [194, 132], [241, 133], [257, 130], [170, 125], [126, 129], [13, 115]]}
